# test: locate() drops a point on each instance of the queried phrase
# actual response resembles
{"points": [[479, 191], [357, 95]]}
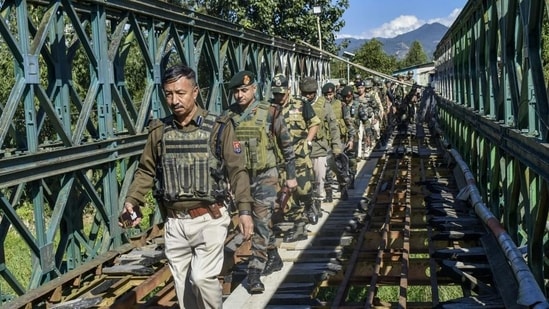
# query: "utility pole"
{"points": [[349, 56], [317, 10]]}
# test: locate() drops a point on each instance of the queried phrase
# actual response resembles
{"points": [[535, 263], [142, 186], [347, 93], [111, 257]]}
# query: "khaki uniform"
{"points": [[146, 171], [194, 239]]}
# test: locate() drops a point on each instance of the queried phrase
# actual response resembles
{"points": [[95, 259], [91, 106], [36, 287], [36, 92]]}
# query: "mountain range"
{"points": [[428, 35]]}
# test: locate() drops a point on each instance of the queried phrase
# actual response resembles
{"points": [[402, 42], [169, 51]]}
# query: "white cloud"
{"points": [[448, 20], [400, 25]]}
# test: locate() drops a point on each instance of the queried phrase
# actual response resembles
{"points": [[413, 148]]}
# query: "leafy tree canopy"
{"points": [[415, 56], [289, 19], [372, 56]]}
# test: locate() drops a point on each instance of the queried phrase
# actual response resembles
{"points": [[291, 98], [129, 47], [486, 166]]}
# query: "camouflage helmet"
{"points": [[308, 85], [369, 83], [342, 82], [378, 80]]}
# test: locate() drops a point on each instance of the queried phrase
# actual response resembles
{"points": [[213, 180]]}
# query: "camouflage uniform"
{"points": [[300, 117], [327, 140], [361, 105], [338, 166], [342, 84], [378, 110], [351, 105], [399, 92], [259, 127]]}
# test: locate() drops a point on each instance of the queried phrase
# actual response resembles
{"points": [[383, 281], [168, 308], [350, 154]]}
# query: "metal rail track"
{"points": [[401, 237], [420, 246]]}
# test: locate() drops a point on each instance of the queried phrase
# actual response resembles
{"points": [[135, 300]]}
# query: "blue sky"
{"points": [[389, 18]]}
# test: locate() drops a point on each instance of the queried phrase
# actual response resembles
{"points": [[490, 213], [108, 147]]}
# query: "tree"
{"points": [[416, 55], [289, 19], [545, 50], [372, 56]]}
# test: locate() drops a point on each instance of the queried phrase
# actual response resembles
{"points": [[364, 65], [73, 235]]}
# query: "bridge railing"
{"points": [[494, 107], [80, 81]]}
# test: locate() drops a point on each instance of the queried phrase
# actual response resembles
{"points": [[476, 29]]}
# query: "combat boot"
{"points": [[255, 286], [274, 262], [344, 194], [318, 208], [296, 233], [329, 196], [311, 214]]}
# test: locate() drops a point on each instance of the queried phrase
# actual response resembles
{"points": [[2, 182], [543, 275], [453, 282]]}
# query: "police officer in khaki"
{"points": [[177, 158], [303, 124], [258, 128]]}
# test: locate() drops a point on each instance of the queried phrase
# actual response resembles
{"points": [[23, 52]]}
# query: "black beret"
{"points": [[308, 85], [242, 78], [328, 87], [347, 90], [279, 84]]}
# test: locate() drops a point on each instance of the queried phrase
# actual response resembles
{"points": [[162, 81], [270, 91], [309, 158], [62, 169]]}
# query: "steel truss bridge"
{"points": [[81, 79]]}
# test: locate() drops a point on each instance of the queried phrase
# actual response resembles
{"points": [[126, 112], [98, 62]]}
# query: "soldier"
{"points": [[339, 166], [303, 125], [390, 110], [258, 128], [179, 156], [342, 84], [351, 105], [399, 90], [326, 140], [377, 108], [362, 101], [368, 121], [358, 78], [411, 97]]}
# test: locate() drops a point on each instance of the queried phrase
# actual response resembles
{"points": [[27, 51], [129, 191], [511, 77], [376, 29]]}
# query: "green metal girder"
{"points": [[494, 107], [72, 126]]}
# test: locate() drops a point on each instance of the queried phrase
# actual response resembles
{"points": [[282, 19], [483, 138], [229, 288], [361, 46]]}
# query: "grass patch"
{"points": [[391, 294]]}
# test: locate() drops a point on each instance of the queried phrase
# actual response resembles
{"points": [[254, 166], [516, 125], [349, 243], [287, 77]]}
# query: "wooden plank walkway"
{"points": [[306, 260]]}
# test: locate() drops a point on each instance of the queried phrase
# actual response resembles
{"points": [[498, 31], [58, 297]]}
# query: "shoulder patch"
{"points": [[237, 148]]}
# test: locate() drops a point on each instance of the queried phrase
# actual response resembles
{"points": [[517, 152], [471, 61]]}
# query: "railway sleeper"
{"points": [[461, 254], [457, 235], [458, 269]]}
